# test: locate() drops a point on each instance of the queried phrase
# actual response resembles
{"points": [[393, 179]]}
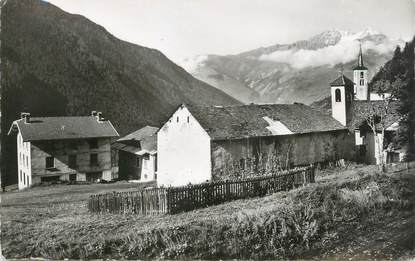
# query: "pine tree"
{"points": [[397, 76]]}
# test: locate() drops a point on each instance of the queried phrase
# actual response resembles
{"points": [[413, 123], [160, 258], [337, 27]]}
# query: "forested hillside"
{"points": [[55, 63], [397, 76]]}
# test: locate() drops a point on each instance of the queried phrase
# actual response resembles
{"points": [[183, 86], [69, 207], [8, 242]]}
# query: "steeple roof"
{"points": [[342, 81], [360, 65]]}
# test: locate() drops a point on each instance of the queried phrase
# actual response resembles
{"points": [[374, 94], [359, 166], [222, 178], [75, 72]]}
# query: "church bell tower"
{"points": [[360, 79], [342, 99]]}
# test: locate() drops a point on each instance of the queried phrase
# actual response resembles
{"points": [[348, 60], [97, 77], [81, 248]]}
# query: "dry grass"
{"points": [[312, 221]]}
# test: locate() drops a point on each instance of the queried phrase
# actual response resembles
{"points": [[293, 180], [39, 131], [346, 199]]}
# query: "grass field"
{"points": [[355, 213]]}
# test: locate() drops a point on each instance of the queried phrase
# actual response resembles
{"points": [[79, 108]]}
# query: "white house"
{"points": [[62, 148]]}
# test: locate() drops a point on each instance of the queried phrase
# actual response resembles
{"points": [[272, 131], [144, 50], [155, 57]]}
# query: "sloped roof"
{"points": [[58, 128], [140, 142], [140, 134], [358, 67], [233, 122], [342, 81]]}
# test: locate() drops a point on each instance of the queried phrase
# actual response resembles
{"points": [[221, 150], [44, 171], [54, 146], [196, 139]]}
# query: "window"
{"points": [[155, 163], [138, 162], [177, 118], [21, 176], [27, 180], [362, 75], [362, 82], [145, 161], [337, 95], [187, 119], [50, 162], [24, 178], [93, 144], [93, 159], [72, 161], [27, 161]]}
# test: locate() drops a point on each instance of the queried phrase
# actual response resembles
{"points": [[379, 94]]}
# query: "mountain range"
{"points": [[296, 72], [55, 64]]}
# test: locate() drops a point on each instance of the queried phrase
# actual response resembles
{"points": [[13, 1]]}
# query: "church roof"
{"points": [[243, 121], [342, 81], [360, 68], [360, 65]]}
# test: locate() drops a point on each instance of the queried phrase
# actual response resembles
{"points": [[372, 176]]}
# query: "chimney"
{"points": [[94, 113], [99, 116], [25, 116]]}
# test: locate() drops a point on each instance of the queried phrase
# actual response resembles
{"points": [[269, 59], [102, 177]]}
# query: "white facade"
{"points": [[183, 150], [338, 104], [360, 80], [358, 137], [375, 148], [149, 168], [24, 169], [379, 97]]}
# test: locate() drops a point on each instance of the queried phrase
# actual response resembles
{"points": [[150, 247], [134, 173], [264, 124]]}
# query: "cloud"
{"points": [[191, 64], [344, 51]]}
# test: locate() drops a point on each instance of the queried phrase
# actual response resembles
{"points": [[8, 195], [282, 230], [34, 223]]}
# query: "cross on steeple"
{"points": [[341, 70]]}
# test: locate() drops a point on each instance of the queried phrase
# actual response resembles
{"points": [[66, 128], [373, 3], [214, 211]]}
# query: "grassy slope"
{"points": [[358, 214]]}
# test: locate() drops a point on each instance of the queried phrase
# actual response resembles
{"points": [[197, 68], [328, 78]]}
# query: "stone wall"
{"points": [[61, 150], [264, 155]]}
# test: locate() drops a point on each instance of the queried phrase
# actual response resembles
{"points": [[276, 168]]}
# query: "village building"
{"points": [[200, 143], [350, 100], [137, 155], [63, 148]]}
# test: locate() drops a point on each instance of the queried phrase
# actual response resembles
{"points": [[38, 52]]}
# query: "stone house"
{"points": [[199, 143], [137, 155], [63, 148]]}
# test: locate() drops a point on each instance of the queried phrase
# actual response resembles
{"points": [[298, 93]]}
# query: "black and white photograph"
{"points": [[207, 130]]}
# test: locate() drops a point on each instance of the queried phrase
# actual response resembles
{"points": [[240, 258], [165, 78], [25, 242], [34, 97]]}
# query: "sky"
{"points": [[186, 28]]}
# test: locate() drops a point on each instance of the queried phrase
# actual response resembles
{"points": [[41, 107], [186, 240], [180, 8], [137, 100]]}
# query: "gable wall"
{"points": [[24, 170], [183, 151]]}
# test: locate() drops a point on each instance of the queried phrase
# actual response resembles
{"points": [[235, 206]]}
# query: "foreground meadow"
{"points": [[355, 213]]}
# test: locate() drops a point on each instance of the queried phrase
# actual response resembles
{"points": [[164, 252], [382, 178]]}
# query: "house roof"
{"points": [[140, 134], [139, 142], [342, 81], [233, 122], [58, 128]]}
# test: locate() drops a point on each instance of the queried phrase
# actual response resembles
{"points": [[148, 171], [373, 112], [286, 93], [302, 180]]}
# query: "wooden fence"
{"points": [[172, 200]]}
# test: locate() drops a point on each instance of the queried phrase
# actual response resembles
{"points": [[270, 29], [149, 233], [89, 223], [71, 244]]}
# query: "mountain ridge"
{"points": [[56, 64], [295, 72]]}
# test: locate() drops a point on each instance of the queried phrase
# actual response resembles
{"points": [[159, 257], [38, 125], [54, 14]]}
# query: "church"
{"points": [[348, 100]]}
